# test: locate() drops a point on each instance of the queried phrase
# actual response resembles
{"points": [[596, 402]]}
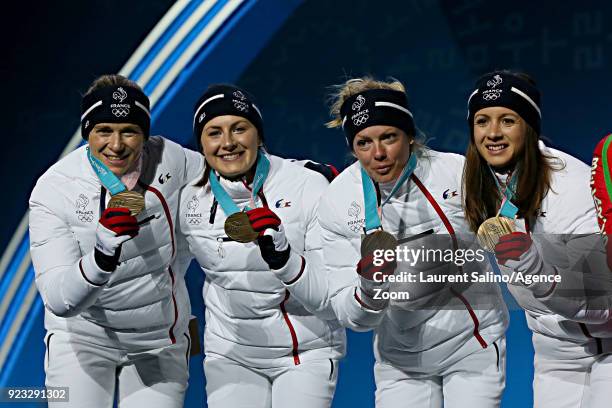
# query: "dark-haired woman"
{"points": [[544, 193], [263, 347]]}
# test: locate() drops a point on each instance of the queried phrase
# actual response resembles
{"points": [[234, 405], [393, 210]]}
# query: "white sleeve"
{"points": [[340, 258], [67, 281], [194, 165], [305, 277], [584, 290]]}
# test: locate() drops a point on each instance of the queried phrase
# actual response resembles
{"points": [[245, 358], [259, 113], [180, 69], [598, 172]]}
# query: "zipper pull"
{"points": [[220, 249]]}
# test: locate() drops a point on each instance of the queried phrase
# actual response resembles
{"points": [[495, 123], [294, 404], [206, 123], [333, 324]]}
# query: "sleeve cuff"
{"points": [[90, 271], [293, 270]]}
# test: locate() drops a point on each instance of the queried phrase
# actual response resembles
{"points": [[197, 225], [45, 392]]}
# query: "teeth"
{"points": [[496, 147], [230, 156]]}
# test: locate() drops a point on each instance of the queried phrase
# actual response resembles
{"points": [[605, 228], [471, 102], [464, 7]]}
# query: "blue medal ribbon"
{"points": [[224, 199], [369, 194], [108, 179], [507, 208]]}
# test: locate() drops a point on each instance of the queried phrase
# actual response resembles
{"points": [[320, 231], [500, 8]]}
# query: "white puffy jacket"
{"points": [[567, 236], [420, 339], [144, 304], [252, 314]]}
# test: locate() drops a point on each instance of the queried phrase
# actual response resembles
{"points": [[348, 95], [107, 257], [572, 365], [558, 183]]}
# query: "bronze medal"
{"points": [[238, 227], [492, 230], [377, 240], [132, 200]]}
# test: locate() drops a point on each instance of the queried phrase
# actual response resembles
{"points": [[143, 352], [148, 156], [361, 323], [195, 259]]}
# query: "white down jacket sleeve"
{"points": [[68, 281], [306, 279], [340, 257]]}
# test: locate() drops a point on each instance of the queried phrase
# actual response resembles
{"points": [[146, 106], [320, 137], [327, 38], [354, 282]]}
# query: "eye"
{"points": [[213, 132], [481, 121], [508, 121], [129, 132], [389, 136], [362, 142], [239, 129]]}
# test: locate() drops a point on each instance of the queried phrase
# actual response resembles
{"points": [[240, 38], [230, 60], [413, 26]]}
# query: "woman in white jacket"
{"points": [[263, 347], [555, 247], [434, 345]]}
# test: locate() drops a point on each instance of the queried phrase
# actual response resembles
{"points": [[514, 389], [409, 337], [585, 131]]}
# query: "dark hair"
{"points": [[481, 197]]}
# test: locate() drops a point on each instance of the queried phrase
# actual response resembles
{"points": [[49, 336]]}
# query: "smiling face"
{"points": [[230, 144], [383, 151], [117, 145], [499, 135]]}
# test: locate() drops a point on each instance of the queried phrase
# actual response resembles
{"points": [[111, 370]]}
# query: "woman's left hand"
{"points": [[273, 244]]}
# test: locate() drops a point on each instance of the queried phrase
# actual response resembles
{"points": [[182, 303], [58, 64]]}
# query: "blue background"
{"points": [[288, 53]]}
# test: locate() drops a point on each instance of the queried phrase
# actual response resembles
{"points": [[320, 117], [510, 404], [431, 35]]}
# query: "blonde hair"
{"points": [[353, 86]]}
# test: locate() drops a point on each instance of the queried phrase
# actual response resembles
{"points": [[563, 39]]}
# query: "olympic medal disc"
{"points": [[492, 230], [238, 227], [130, 199], [377, 240]]}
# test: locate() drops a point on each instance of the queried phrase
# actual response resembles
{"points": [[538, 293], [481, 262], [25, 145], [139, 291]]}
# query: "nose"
{"points": [[115, 143], [380, 153], [228, 143], [494, 130]]}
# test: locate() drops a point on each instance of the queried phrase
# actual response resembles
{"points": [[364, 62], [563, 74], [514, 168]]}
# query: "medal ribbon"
{"points": [[112, 183], [227, 204], [372, 214], [507, 208]]}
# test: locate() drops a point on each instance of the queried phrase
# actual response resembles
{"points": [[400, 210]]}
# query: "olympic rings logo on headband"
{"points": [[120, 112], [491, 94], [241, 106], [361, 119]]}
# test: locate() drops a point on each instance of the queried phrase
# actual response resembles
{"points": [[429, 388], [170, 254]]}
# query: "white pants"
{"points": [[150, 379], [476, 381], [570, 375], [229, 384]]}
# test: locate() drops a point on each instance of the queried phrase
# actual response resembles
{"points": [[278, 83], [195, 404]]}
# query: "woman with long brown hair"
{"points": [[540, 197]]}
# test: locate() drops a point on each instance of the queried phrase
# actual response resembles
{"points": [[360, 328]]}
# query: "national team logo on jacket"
{"points": [[493, 93], [282, 203], [449, 194], [83, 214], [193, 216], [355, 223]]}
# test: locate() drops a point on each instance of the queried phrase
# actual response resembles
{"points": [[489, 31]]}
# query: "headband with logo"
{"points": [[509, 91], [115, 104], [223, 99], [376, 107]]}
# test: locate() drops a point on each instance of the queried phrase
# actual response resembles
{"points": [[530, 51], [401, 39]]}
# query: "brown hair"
{"points": [[104, 81], [481, 197]]}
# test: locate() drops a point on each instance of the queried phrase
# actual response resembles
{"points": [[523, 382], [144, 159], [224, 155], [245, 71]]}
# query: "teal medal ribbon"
{"points": [[372, 219], [224, 199], [112, 183], [507, 208]]}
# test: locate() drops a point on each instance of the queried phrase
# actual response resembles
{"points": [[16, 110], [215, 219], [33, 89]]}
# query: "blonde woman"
{"points": [[433, 346]]}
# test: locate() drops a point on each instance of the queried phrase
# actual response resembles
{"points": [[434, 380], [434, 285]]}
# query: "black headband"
{"points": [[224, 99], [376, 107], [115, 104], [509, 91]]}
